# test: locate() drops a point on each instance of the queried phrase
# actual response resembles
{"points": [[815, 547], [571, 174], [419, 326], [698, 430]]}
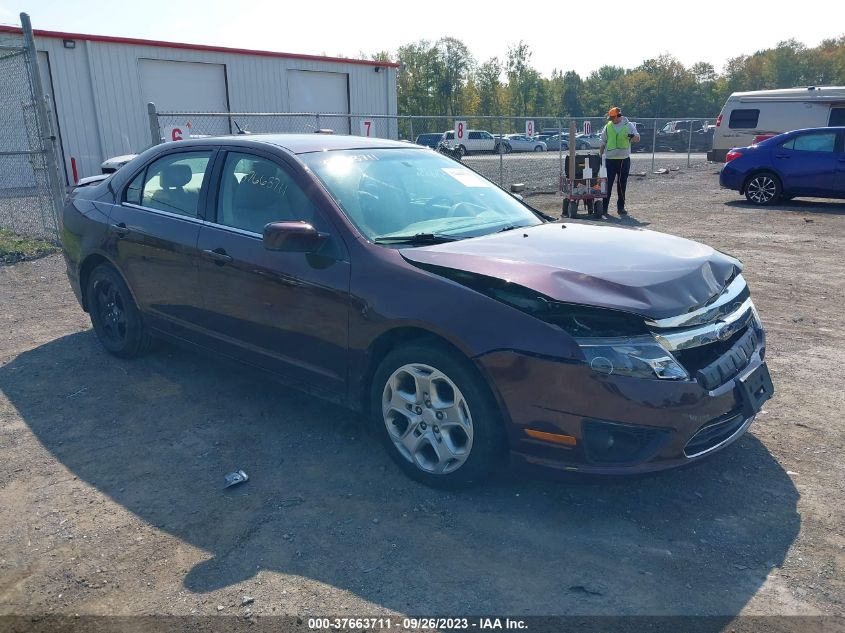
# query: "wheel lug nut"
{"points": [[423, 426], [439, 415], [428, 403], [418, 410], [436, 428]]}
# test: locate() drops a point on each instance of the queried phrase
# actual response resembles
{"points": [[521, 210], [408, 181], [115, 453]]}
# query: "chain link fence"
{"points": [[528, 150], [30, 196]]}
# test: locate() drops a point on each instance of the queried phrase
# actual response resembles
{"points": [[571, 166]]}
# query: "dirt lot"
{"points": [[111, 498]]}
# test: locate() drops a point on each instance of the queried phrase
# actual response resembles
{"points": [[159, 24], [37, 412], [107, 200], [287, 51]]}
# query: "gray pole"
{"points": [[155, 132], [689, 142], [560, 156], [501, 154], [48, 139], [653, 144]]}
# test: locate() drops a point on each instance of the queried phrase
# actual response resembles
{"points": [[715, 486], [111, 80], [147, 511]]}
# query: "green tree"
{"points": [[489, 83], [523, 80]]}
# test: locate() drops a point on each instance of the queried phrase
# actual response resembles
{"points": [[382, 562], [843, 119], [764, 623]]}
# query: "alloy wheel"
{"points": [[427, 418], [761, 189]]}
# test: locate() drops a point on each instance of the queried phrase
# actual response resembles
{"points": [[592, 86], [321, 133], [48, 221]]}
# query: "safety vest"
{"points": [[617, 140]]}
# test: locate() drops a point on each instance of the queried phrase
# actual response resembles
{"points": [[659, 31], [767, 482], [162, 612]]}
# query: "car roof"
{"points": [[301, 143]]}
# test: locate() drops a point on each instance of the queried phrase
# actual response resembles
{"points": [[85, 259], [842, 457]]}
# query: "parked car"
{"points": [[679, 136], [589, 141], [477, 141], [522, 143], [808, 162], [646, 131], [556, 143], [429, 140], [462, 323], [111, 165]]}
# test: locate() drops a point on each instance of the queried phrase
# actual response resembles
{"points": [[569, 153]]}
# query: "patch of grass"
{"points": [[17, 248]]}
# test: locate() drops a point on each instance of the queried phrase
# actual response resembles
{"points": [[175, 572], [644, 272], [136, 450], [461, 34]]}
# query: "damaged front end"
{"points": [[640, 393]]}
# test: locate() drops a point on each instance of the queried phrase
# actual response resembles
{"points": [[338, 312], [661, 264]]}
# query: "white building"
{"points": [[100, 87]]}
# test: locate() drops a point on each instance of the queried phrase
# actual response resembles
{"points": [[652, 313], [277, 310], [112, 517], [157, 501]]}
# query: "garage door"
{"points": [[187, 87], [312, 91]]}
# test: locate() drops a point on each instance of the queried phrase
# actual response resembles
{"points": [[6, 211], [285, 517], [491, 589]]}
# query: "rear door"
{"points": [[808, 163], [839, 178], [153, 232], [286, 312]]}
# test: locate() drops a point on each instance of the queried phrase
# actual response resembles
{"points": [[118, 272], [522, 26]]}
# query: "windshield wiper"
{"points": [[417, 238], [511, 227]]}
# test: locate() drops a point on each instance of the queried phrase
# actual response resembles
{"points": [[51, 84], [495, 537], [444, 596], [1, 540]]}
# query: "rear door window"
{"points": [[172, 183], [744, 119]]}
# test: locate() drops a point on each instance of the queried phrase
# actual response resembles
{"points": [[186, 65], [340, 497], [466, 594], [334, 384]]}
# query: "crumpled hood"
{"points": [[648, 273]]}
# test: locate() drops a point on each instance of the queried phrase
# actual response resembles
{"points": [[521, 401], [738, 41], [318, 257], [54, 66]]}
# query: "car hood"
{"points": [[648, 273]]}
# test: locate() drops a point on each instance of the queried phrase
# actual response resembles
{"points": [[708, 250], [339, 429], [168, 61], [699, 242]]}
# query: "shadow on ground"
{"points": [[827, 207], [157, 435]]}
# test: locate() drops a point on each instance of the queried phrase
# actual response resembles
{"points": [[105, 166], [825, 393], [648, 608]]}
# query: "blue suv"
{"points": [[809, 162]]}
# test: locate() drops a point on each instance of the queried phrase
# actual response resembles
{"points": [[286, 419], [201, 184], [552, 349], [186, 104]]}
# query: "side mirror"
{"points": [[293, 237], [517, 187]]}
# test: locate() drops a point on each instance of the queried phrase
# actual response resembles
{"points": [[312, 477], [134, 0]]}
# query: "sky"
{"points": [[561, 36]]}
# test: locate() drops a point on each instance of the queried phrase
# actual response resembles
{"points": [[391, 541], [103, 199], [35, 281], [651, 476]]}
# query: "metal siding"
{"points": [[101, 95]]}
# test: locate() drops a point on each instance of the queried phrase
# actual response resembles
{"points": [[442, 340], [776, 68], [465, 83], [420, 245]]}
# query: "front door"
{"points": [[153, 233], [807, 163], [287, 312]]}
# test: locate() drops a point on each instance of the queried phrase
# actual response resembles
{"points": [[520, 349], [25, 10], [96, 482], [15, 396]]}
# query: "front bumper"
{"points": [[565, 415]]}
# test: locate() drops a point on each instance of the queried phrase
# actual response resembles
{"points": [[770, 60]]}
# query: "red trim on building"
{"points": [[194, 47]]}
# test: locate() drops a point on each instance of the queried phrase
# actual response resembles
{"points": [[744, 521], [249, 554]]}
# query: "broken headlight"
{"points": [[637, 357]]}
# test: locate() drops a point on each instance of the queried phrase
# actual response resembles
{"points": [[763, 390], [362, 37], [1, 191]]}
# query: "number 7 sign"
{"points": [[366, 127], [529, 128]]}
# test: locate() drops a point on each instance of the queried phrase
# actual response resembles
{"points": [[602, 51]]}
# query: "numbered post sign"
{"points": [[173, 133], [460, 131], [366, 127], [587, 127], [529, 128]]}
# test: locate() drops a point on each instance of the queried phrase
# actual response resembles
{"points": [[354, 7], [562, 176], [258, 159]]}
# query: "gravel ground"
{"points": [[111, 499]]}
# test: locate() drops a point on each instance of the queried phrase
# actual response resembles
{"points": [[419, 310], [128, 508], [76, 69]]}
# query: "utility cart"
{"points": [[591, 190]]}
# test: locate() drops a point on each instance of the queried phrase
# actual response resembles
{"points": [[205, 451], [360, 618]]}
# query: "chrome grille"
{"points": [[716, 351]]}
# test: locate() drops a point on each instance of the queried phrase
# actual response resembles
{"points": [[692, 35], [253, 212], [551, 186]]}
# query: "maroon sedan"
{"points": [[462, 323]]}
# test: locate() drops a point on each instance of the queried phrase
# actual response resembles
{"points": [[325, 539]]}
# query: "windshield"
{"points": [[405, 192]]}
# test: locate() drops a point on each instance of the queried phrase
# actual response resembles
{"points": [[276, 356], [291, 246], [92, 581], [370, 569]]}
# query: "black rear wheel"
{"points": [[116, 319]]}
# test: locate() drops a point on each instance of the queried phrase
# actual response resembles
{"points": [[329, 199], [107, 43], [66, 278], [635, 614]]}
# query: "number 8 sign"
{"points": [[460, 131], [529, 128]]}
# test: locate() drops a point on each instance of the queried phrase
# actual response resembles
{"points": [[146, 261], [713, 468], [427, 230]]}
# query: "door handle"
{"points": [[781, 155], [218, 256], [120, 229]]}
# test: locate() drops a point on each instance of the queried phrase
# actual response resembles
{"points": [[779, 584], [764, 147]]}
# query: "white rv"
{"points": [[749, 114]]}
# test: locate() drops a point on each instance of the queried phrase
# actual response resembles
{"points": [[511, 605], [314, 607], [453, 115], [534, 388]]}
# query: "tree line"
{"points": [[443, 78]]}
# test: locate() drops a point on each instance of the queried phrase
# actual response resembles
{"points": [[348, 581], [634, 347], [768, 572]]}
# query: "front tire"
{"points": [[462, 151], [763, 188], [436, 417], [117, 321], [539, 148]]}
